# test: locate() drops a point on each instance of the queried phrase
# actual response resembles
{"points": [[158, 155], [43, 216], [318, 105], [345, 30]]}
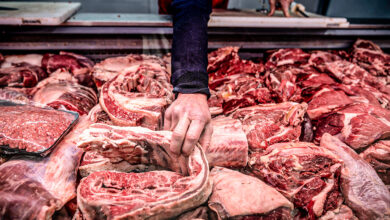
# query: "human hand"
{"points": [[189, 119], [285, 6]]}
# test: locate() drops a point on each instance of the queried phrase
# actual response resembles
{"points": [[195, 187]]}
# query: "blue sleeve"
{"points": [[189, 46]]}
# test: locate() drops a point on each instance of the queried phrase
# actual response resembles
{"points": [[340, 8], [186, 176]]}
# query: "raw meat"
{"points": [[21, 75], [289, 56], [306, 174], [78, 65], [156, 194], [34, 188], [363, 190], [109, 68], [98, 115], [319, 58], [15, 60], [67, 95], [13, 96], [92, 162], [137, 98], [342, 213], [370, 56], [238, 91], [267, 124], [378, 155], [358, 125], [325, 101], [281, 81], [226, 61], [239, 196], [228, 146], [198, 214], [31, 128]]}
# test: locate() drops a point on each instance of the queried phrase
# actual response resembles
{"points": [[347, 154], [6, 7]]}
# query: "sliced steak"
{"points": [[31, 128], [378, 155], [362, 188], [156, 194], [137, 98], [32, 188], [67, 95], [306, 174], [228, 146], [239, 196], [267, 124]]}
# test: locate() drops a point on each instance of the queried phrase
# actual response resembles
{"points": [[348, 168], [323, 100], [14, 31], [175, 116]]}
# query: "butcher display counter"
{"points": [[300, 116]]}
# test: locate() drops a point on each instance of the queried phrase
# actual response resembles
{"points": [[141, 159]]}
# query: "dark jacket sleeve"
{"points": [[189, 46]]}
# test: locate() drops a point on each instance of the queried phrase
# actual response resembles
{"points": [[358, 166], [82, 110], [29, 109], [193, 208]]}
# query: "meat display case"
{"points": [[153, 34]]}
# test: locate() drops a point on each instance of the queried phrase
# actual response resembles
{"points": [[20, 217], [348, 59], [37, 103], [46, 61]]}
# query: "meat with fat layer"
{"points": [[137, 98], [15, 60], [308, 175], [268, 124], [21, 75], [228, 146], [239, 196], [378, 155], [155, 194], [363, 190]]}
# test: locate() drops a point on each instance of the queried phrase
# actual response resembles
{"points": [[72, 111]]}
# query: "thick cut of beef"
{"points": [[78, 65], [109, 68], [282, 83], [371, 57], [289, 56], [378, 155], [21, 75], [15, 60], [271, 123], [319, 59], [154, 195], [67, 95], [238, 91], [137, 98], [35, 188], [306, 174], [358, 125], [31, 128], [363, 190], [228, 146], [325, 101], [226, 61], [239, 196]]}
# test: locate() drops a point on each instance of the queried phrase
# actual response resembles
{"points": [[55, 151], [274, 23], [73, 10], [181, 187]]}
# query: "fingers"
{"points": [[168, 119], [285, 7], [179, 134], [192, 136], [272, 5], [205, 138]]}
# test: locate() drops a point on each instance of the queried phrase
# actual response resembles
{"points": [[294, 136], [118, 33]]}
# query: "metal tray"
{"points": [[6, 150]]}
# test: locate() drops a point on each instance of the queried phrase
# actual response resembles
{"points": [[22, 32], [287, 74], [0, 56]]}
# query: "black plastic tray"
{"points": [[6, 150]]}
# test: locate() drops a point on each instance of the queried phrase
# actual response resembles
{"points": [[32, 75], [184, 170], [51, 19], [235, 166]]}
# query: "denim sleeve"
{"points": [[189, 46]]}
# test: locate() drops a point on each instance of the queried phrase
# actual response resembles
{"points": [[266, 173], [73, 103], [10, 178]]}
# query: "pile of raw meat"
{"points": [[300, 135]]}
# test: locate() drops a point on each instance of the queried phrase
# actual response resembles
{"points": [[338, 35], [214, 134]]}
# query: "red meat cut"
{"points": [[156, 194], [239, 196], [67, 95], [228, 146], [358, 125], [33, 188], [363, 190], [378, 155], [137, 98], [31, 128], [21, 75], [267, 124], [306, 174], [289, 56]]}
